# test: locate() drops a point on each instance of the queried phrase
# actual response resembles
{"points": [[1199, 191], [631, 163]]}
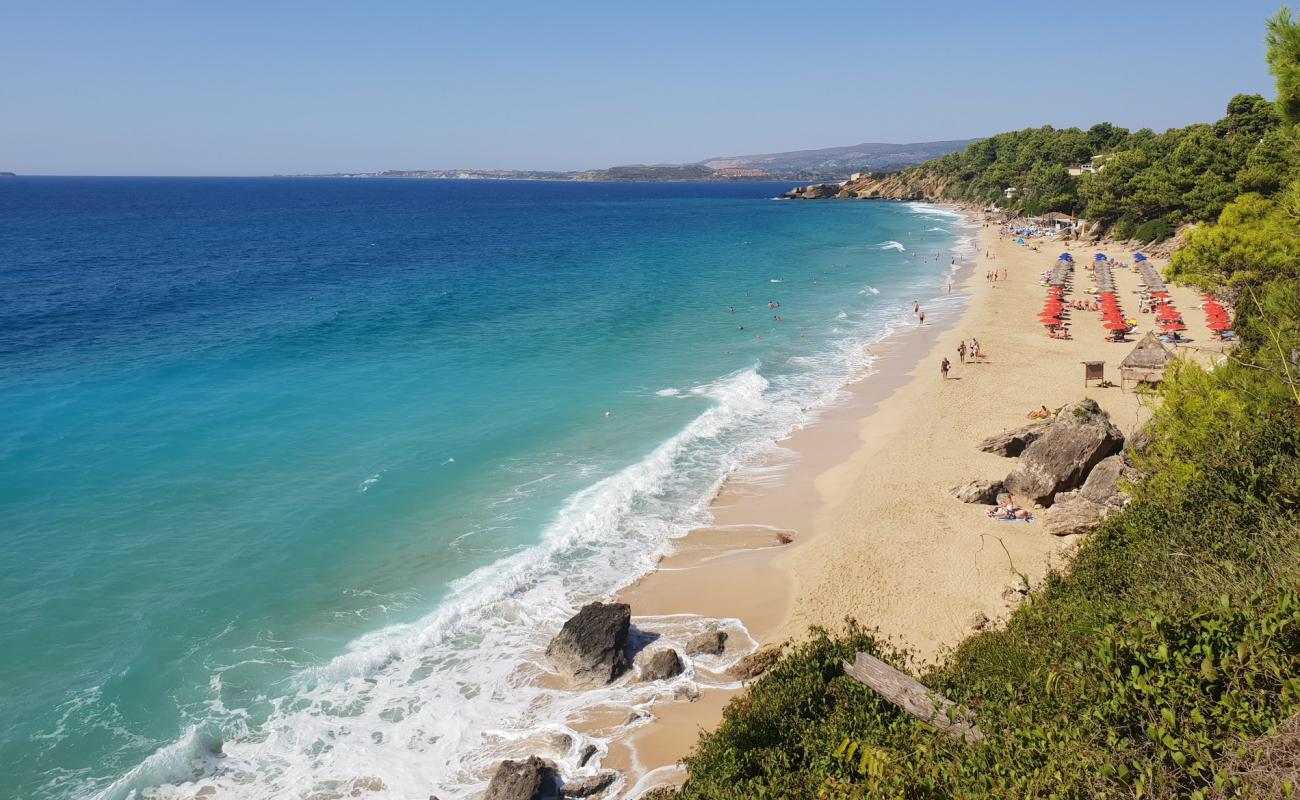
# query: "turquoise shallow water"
{"points": [[296, 474]]}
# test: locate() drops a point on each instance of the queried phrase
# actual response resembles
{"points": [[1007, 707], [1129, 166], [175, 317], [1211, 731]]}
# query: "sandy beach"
{"points": [[864, 494]]}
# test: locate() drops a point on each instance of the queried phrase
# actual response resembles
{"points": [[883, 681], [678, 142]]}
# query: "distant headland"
{"points": [[827, 164]]}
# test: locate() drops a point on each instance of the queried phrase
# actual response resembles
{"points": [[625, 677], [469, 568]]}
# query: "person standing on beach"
{"points": [[921, 320], [916, 306], [943, 368], [961, 352]]}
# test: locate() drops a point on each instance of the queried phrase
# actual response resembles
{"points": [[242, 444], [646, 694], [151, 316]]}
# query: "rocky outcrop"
{"points": [[709, 643], [816, 191], [586, 787], [1069, 447], [1073, 514], [1102, 485], [911, 184], [1013, 442], [591, 648], [977, 491], [531, 779], [755, 664], [661, 665]]}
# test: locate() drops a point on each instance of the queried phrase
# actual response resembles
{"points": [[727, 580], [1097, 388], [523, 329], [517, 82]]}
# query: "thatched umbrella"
{"points": [[1146, 363]]}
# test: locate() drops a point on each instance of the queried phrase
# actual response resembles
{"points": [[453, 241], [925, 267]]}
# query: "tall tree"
{"points": [[1284, 62]]}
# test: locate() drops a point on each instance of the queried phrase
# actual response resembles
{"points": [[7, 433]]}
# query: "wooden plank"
{"points": [[909, 695]]}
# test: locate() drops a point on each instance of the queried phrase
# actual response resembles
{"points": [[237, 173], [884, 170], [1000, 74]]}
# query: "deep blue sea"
{"points": [[298, 476]]}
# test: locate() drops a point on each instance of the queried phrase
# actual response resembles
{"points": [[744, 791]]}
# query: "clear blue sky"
{"points": [[249, 88]]}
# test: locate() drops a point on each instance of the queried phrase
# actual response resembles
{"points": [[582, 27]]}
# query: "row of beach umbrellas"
{"points": [[1054, 304], [1112, 315], [1217, 314]]}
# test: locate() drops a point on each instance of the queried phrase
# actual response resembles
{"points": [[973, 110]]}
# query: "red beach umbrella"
{"points": [[1160, 294], [1167, 312], [1116, 326], [1174, 326], [1220, 325]]}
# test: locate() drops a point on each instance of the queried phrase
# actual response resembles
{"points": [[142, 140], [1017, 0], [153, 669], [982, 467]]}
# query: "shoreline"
{"points": [[740, 549], [864, 493]]}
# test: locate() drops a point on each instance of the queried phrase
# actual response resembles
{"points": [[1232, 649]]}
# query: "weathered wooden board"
{"points": [[909, 695]]}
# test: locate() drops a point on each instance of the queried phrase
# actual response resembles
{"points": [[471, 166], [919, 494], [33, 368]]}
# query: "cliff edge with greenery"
{"points": [[1143, 179], [1166, 661]]}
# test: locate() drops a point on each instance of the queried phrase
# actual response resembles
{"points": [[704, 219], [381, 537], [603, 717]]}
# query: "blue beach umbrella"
{"points": [[1139, 257], [1066, 257], [1100, 257]]}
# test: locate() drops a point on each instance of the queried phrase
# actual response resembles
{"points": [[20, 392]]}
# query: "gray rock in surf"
{"points": [[709, 643], [591, 648], [586, 787], [661, 665], [531, 779]]}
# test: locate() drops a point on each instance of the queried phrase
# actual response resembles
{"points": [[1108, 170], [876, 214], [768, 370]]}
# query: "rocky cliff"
{"points": [[906, 185]]}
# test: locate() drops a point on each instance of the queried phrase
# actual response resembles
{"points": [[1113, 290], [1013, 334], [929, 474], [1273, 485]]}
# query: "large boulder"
{"points": [[977, 491], [1013, 442], [586, 787], [661, 665], [1060, 458], [1101, 487], [1073, 515], [531, 779], [591, 648], [710, 643]]}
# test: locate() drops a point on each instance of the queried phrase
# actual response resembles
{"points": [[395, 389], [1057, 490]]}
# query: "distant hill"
{"points": [[872, 156], [656, 172], [827, 164]]}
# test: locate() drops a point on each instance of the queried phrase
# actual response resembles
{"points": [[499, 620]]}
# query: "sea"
{"points": [[299, 476]]}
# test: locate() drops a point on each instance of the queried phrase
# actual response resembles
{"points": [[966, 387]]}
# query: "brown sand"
{"points": [[876, 535]]}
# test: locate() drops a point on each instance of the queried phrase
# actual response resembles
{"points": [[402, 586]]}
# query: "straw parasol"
{"points": [[1146, 363]]}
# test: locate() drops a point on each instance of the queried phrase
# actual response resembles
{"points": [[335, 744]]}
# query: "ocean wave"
{"points": [[933, 210], [433, 705], [892, 245]]}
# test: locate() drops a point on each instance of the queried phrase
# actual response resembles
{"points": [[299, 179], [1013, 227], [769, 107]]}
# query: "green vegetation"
{"points": [[1145, 183], [1166, 662]]}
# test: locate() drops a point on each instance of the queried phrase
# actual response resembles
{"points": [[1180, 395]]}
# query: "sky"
{"points": [[182, 87]]}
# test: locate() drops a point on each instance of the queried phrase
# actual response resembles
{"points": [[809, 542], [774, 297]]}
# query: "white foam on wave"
{"points": [[432, 706], [892, 245], [930, 209], [936, 230]]}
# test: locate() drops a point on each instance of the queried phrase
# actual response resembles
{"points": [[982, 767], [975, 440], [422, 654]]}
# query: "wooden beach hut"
{"points": [[1146, 364]]}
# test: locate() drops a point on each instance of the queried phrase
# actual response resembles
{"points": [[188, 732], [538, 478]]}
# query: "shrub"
{"points": [[1153, 231]]}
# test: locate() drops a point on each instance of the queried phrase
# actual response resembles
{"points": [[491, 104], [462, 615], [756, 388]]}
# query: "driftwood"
{"points": [[914, 698]]}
